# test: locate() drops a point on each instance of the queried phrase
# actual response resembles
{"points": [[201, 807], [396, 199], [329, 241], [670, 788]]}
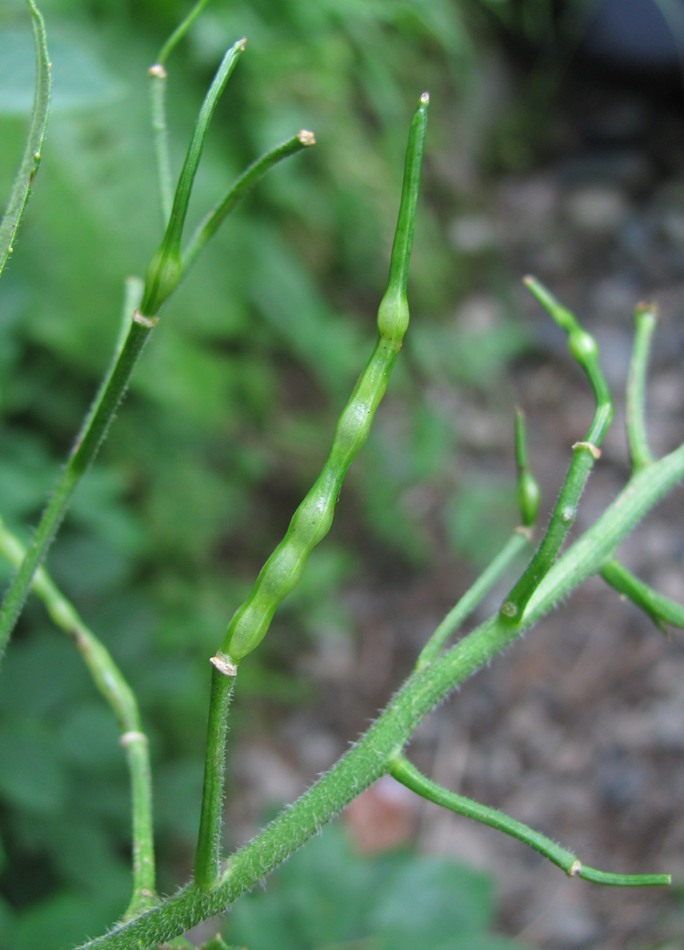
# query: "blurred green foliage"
{"points": [[231, 410], [327, 896]]}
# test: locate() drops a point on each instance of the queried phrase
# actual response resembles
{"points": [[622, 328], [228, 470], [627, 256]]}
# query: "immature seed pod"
{"points": [[313, 518]]}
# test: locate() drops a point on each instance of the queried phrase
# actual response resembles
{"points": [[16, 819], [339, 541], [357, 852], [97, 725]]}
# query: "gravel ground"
{"points": [[578, 730]]}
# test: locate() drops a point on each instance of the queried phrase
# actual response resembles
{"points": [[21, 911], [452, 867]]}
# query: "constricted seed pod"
{"points": [[313, 518]]}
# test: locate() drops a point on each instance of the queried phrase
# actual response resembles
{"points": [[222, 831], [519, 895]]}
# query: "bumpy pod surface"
{"points": [[313, 518]]}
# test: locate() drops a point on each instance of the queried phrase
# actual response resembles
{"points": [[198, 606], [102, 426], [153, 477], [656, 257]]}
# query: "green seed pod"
{"points": [[312, 520], [529, 497]]}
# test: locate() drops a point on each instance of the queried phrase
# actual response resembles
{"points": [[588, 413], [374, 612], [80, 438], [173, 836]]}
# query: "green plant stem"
{"points": [[313, 518], [181, 30], [658, 607], [208, 851], [158, 87], [239, 189], [111, 683], [406, 773], [598, 544], [517, 543], [28, 166], [164, 270], [584, 350], [92, 433], [373, 754], [644, 323]]}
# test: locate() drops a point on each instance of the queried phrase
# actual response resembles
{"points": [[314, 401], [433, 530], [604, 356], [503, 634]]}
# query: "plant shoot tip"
{"points": [[242, 43], [306, 137], [425, 98], [644, 307]]}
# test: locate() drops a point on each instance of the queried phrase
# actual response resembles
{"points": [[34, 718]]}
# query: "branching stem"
{"points": [[313, 518], [406, 773]]}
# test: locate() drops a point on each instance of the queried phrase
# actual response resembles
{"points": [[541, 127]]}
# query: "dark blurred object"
{"points": [[638, 36]]}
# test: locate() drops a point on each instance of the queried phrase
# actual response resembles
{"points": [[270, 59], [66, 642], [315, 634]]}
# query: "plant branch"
{"points": [[406, 773], [164, 270], [111, 683], [313, 518], [374, 753], [584, 350], [28, 166], [597, 545]]}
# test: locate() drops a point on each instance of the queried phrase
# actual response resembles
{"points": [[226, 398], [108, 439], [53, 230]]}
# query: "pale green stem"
{"points": [[406, 773], [28, 166], [639, 452], [111, 683]]}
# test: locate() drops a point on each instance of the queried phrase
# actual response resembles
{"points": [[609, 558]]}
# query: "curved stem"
{"points": [[111, 683], [406, 773], [28, 166]]}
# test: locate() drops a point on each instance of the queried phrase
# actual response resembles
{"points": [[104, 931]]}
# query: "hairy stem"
{"points": [[28, 166]]}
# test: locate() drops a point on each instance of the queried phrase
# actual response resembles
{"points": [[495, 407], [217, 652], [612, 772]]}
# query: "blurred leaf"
{"points": [[326, 895], [36, 780], [59, 922], [479, 517], [80, 79], [89, 738]]}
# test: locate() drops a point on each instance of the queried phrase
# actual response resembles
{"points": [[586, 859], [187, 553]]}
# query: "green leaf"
{"points": [[81, 80], [326, 895], [32, 776]]}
